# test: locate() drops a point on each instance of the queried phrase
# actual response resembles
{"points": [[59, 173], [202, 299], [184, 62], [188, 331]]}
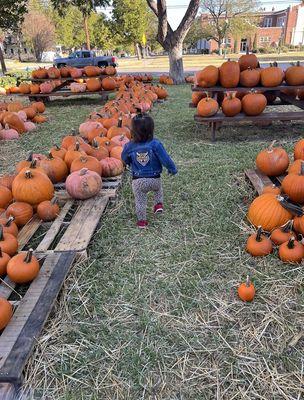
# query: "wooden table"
{"points": [[217, 120]]}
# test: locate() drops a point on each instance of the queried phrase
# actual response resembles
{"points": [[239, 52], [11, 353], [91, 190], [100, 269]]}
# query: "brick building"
{"points": [[274, 27]]}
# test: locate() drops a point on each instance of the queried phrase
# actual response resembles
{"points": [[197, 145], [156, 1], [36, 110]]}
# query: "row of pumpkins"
{"points": [[17, 118], [73, 72], [278, 212], [248, 73], [80, 161]]}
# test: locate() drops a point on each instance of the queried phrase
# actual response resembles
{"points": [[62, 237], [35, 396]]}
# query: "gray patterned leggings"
{"points": [[141, 187]]}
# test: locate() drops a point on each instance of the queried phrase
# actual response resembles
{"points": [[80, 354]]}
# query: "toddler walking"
{"points": [[146, 156]]}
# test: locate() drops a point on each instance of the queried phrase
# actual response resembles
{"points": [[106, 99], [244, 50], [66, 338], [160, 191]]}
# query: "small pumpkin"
{"points": [[108, 84], [39, 119], [299, 150], [246, 290], [72, 154], [273, 189], [24, 88], [294, 75], [55, 168], [6, 196], [23, 267], [196, 97], [282, 234], [22, 212], [15, 122], [57, 151], [231, 105], [250, 77], [39, 106], [91, 163], [291, 251], [46, 87], [273, 161], [8, 133], [93, 84], [6, 312], [83, 184], [53, 73], [116, 152], [48, 211], [120, 140], [259, 245], [9, 226], [293, 185], [207, 107], [248, 61], [30, 112], [7, 181], [8, 242], [118, 130], [99, 150], [111, 167], [272, 76]]}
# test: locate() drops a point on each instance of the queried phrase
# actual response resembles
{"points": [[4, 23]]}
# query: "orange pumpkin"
{"points": [[273, 161], [7, 181], [108, 83], [4, 259], [231, 105], [294, 75], [55, 168], [72, 154], [116, 151], [272, 76], [207, 107], [39, 106], [8, 242], [56, 151], [254, 104], [93, 84], [208, 77], [111, 167], [250, 77], [23, 268], [6, 313], [22, 212], [25, 88], [230, 74], [39, 119], [47, 211], [248, 61], [89, 162], [5, 196], [9, 226]]}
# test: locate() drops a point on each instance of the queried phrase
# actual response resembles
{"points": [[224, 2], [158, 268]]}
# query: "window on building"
{"points": [[265, 39], [12, 51], [267, 22], [25, 50], [281, 21]]}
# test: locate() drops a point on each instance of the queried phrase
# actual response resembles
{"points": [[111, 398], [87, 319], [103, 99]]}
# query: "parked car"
{"points": [[83, 58]]}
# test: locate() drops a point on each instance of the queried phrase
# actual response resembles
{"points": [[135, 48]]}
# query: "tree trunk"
{"points": [[2, 62], [176, 63], [220, 50], [87, 33]]}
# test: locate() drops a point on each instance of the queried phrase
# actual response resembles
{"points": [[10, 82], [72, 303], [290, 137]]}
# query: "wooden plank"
{"points": [[55, 227], [83, 225], [19, 337], [271, 116], [65, 93], [28, 231], [258, 180], [7, 391], [244, 89], [68, 79]]}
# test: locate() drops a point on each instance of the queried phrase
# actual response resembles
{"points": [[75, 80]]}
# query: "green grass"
{"points": [[154, 314]]}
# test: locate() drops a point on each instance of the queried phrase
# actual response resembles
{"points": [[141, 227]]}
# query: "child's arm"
{"points": [[125, 156], [165, 159]]}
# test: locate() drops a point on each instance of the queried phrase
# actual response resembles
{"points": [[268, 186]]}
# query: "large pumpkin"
{"points": [[22, 212], [23, 268], [108, 83], [111, 167], [14, 122], [93, 84], [39, 106], [273, 161], [207, 107], [272, 76], [254, 104], [294, 75], [78, 87], [91, 71], [83, 184], [267, 211], [34, 88], [53, 73], [230, 74], [25, 88], [207, 77], [32, 187]]}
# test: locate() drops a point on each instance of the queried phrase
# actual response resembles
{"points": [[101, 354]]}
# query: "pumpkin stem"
{"points": [[119, 124], [258, 234], [28, 174], [30, 156], [9, 221], [247, 281], [83, 171], [296, 210], [302, 168], [6, 126], [77, 145], [287, 227], [29, 255], [291, 241], [73, 133], [56, 146], [33, 164], [83, 159], [270, 148], [298, 64], [1, 233], [50, 156]]}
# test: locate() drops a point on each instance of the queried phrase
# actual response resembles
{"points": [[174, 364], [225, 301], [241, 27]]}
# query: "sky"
{"points": [[177, 8]]}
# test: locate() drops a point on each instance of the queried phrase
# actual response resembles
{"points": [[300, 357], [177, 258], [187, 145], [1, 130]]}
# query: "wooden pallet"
{"points": [[62, 241], [259, 180], [245, 89], [19, 337]]}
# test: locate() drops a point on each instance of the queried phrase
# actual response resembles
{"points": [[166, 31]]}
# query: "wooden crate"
{"points": [[259, 180]]}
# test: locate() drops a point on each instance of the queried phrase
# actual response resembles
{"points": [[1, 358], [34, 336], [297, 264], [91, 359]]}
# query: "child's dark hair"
{"points": [[142, 128]]}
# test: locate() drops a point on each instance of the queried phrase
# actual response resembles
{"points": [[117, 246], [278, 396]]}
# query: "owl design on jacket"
{"points": [[142, 158]]}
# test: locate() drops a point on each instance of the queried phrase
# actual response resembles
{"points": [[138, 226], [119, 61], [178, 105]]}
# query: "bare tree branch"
{"points": [[153, 6]]}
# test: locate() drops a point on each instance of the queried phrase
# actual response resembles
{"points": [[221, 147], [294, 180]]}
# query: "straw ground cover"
{"points": [[154, 314]]}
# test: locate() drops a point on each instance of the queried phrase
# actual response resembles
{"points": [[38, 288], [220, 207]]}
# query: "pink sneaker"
{"points": [[142, 224], [158, 208]]}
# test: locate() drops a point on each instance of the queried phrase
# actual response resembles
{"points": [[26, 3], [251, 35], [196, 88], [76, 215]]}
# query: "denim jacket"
{"points": [[147, 158]]}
